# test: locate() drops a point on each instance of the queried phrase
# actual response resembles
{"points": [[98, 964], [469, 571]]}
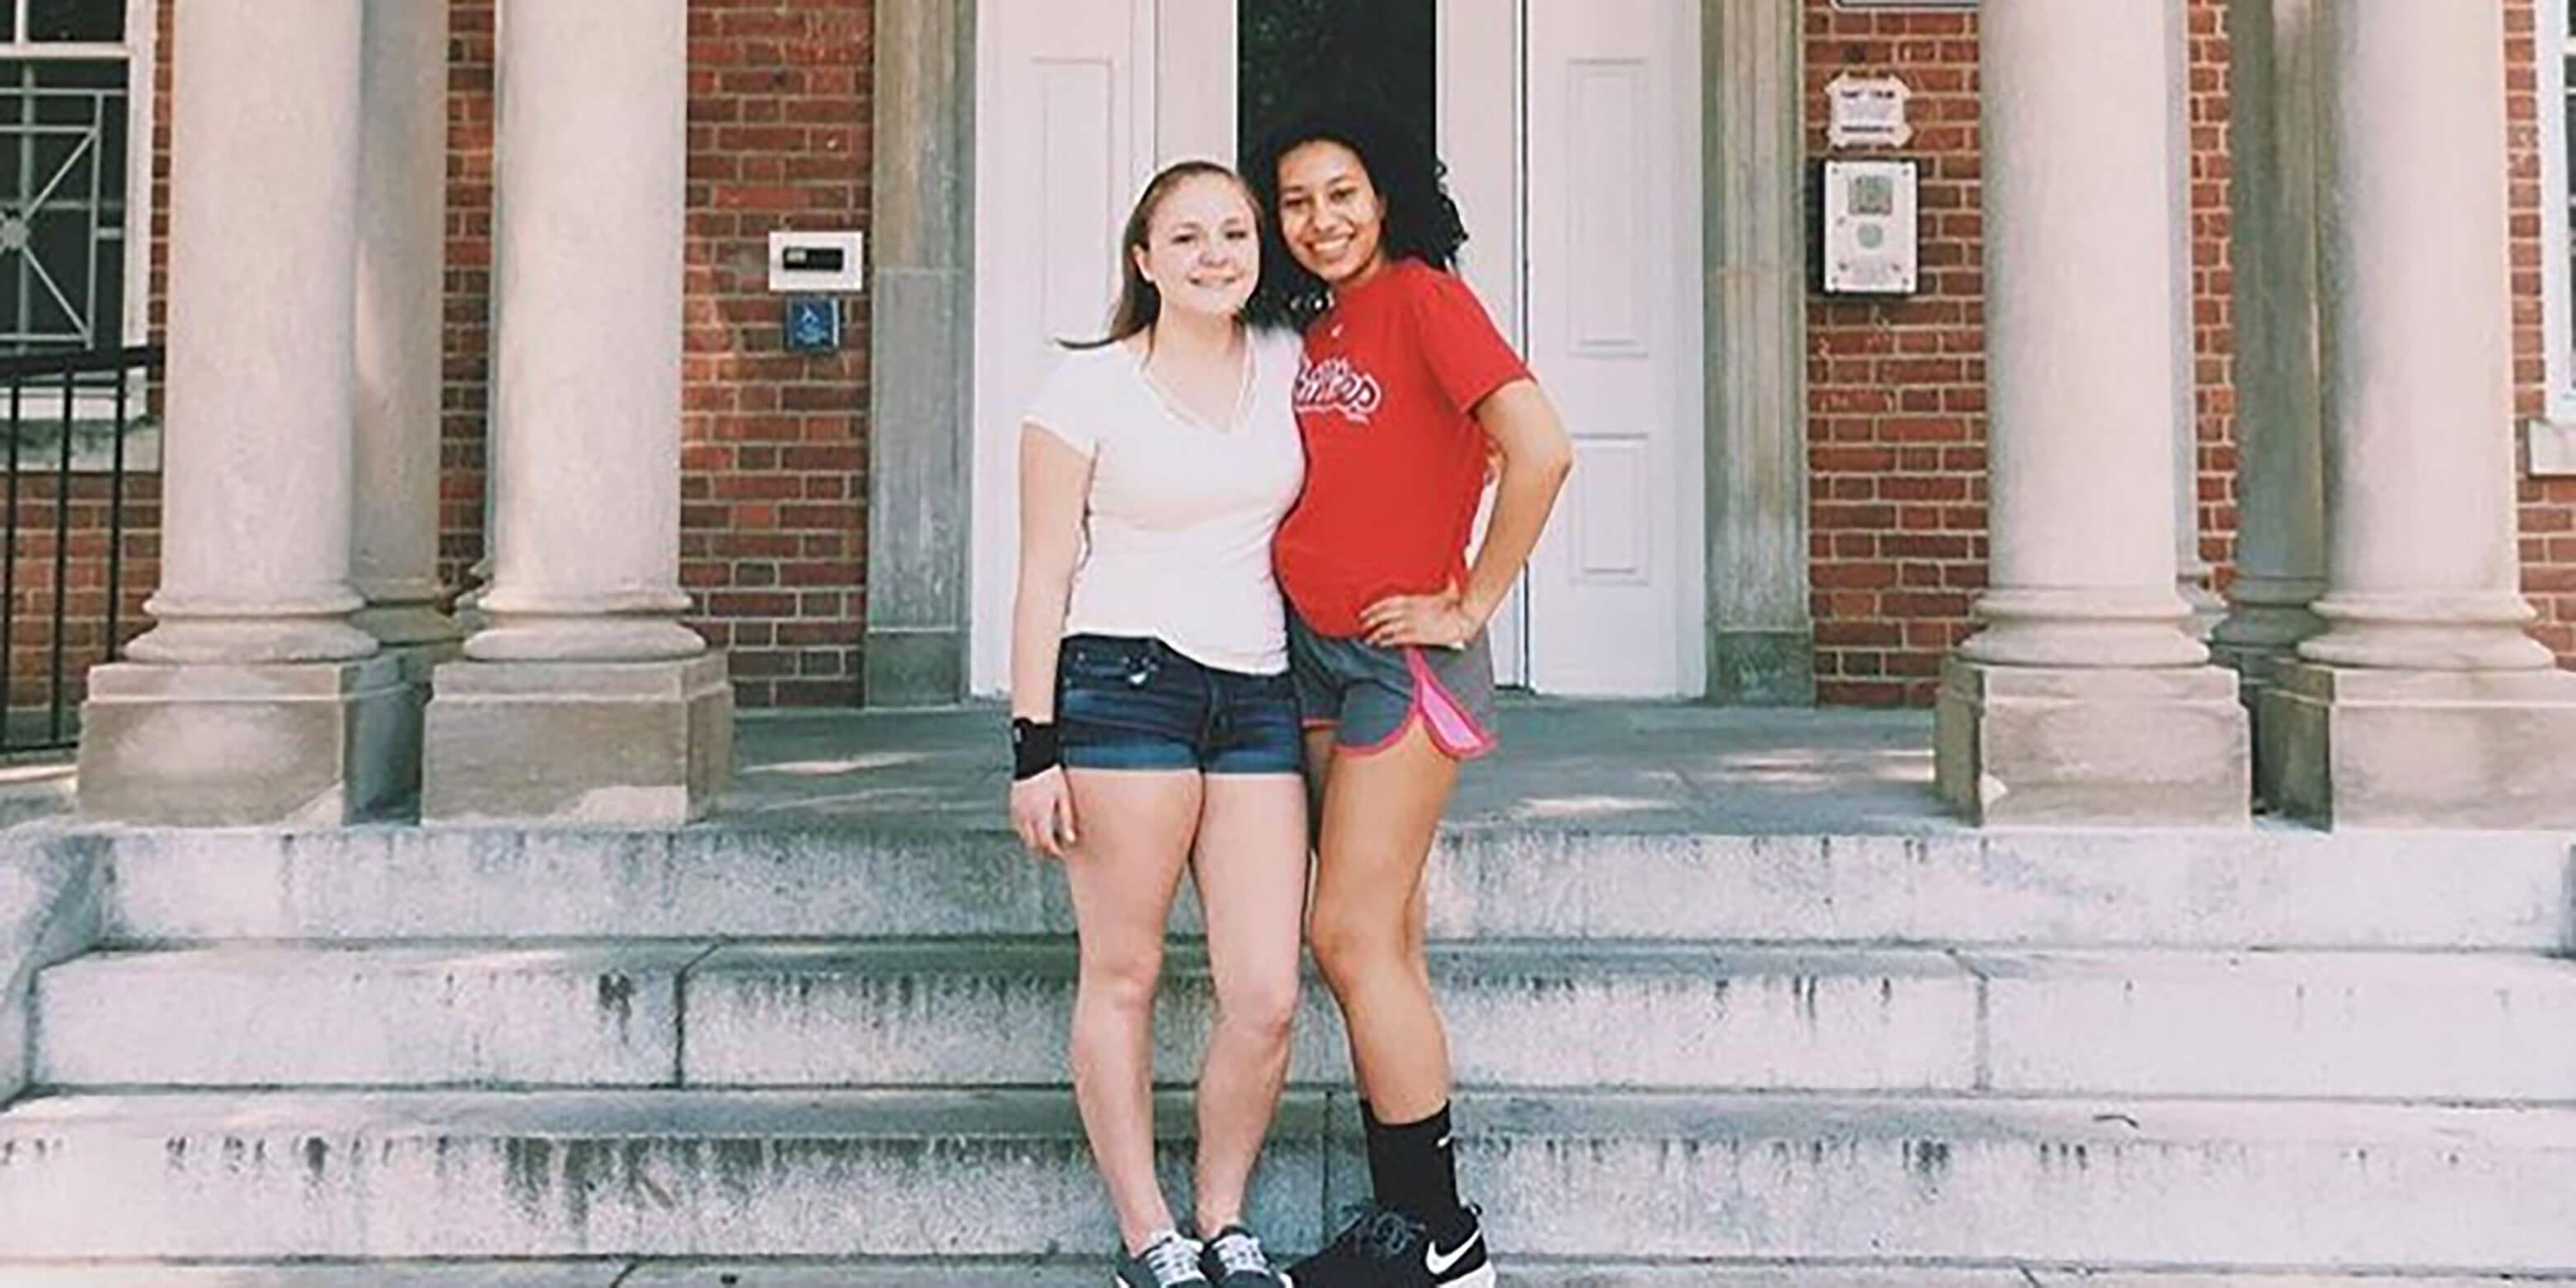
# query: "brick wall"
{"points": [[468, 310], [773, 465], [1896, 399], [1896, 389], [2548, 514]]}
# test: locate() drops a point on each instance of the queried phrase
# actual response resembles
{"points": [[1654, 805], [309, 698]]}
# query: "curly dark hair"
{"points": [[1421, 220]]}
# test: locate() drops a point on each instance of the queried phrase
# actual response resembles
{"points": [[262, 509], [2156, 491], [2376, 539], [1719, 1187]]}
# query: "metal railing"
{"points": [[70, 452]]}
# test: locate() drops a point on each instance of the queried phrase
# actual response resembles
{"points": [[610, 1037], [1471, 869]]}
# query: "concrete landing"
{"points": [[1635, 766]]}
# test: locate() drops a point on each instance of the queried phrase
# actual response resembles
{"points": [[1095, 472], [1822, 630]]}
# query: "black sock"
{"points": [[1375, 1136], [1414, 1169]]}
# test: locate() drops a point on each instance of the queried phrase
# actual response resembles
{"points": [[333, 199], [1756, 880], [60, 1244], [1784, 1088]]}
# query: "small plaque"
{"points": [[1867, 112], [813, 324], [1869, 235], [803, 261]]}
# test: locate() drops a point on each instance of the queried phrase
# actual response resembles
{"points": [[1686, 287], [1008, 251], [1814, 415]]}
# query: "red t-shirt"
{"points": [[1395, 465]]}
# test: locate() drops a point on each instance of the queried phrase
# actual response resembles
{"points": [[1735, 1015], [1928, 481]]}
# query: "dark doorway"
{"points": [[1296, 55]]}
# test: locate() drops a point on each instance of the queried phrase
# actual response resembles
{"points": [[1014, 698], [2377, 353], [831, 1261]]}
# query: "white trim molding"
{"points": [[2550, 438]]}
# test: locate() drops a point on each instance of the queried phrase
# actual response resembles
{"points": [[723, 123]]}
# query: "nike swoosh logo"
{"points": [[1438, 1264]]}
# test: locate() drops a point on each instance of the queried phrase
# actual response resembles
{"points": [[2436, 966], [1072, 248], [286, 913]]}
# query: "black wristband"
{"points": [[1034, 749]]}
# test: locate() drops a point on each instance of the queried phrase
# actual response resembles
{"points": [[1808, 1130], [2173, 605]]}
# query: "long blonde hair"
{"points": [[1140, 301]]}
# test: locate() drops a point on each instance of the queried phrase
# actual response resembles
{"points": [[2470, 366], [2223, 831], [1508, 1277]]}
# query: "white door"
{"points": [[1078, 102], [1570, 128], [1616, 598], [1480, 106]]}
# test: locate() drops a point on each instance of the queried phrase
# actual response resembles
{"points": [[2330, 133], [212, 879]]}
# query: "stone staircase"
{"points": [[832, 1055]]}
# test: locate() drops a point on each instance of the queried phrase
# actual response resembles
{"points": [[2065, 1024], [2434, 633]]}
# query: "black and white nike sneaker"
{"points": [[1384, 1248], [1234, 1259], [1170, 1261]]}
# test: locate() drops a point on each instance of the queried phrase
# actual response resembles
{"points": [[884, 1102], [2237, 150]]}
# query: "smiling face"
{"points": [[1330, 213], [1202, 246]]}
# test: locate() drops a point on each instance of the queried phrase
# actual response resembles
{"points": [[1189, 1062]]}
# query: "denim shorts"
{"points": [[1134, 702], [1369, 696]]}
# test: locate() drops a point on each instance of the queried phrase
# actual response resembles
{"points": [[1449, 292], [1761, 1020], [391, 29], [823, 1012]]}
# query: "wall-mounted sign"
{"points": [[1869, 233], [813, 324], [1867, 112], [816, 261]]}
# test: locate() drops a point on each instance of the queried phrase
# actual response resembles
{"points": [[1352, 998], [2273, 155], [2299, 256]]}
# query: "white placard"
{"points": [[1867, 112], [820, 262], [1870, 234]]}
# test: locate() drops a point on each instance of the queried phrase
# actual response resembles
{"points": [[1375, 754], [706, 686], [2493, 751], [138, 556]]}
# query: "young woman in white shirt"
{"points": [[1155, 729]]}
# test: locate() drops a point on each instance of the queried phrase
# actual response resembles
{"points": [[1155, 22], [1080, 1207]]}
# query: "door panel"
{"points": [[1066, 134], [1612, 183], [1479, 115]]}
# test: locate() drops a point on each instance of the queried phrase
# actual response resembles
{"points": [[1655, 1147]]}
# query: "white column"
{"points": [[2080, 316], [582, 699], [254, 701], [400, 321], [590, 157], [2424, 701], [263, 228], [2422, 569], [2084, 698]]}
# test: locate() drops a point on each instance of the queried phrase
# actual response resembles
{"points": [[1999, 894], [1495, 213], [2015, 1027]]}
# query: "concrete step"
{"points": [[1523, 1015], [949, 1013], [1668, 1178], [2263, 887], [2433, 1026], [385, 1015], [1520, 1273]]}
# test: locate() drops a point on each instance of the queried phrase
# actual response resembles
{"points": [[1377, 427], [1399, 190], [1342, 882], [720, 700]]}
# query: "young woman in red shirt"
{"points": [[1407, 399]]}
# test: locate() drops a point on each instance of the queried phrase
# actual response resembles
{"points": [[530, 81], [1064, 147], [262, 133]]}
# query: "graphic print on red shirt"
{"points": [[1395, 461]]}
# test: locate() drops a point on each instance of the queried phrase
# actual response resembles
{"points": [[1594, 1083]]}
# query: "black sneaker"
{"points": [[1384, 1248], [1234, 1259], [1168, 1262]]}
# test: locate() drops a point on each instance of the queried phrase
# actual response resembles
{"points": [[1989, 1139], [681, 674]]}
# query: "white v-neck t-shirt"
{"points": [[1178, 524]]}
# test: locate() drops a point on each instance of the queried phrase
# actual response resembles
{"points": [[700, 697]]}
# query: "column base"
{"points": [[2060, 746], [577, 742], [2467, 749], [212, 745]]}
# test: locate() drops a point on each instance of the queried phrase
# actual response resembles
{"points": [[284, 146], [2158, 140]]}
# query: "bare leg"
{"points": [[1319, 773], [1135, 827], [1251, 867], [1380, 813]]}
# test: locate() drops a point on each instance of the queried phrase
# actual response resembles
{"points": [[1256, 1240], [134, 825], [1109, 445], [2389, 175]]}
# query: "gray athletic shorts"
{"points": [[1368, 696]]}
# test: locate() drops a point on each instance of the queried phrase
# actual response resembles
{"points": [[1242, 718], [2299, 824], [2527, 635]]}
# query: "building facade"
{"points": [[1783, 495]]}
